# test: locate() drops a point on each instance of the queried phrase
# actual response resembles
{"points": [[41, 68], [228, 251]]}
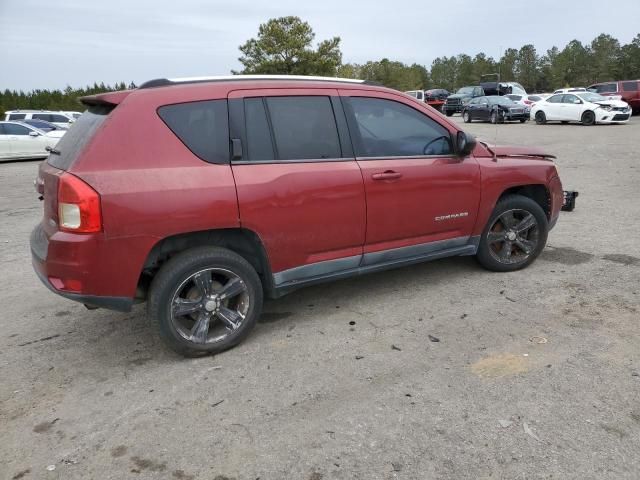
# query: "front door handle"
{"points": [[386, 175]]}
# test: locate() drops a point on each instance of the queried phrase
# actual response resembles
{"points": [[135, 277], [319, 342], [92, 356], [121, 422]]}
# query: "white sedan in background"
{"points": [[585, 107], [19, 141]]}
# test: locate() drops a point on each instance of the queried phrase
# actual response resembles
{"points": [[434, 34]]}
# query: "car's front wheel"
{"points": [[205, 300], [514, 236], [588, 118], [448, 113], [466, 117]]}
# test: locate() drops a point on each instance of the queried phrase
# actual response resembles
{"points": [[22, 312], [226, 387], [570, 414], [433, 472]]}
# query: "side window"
{"points": [[203, 127], [392, 129], [14, 129], [42, 116], [2, 132], [304, 128], [572, 99], [16, 116], [58, 118], [630, 86], [259, 144], [474, 101], [555, 99], [607, 88]]}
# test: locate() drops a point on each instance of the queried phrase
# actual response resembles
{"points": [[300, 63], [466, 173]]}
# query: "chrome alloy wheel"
{"points": [[209, 305]]}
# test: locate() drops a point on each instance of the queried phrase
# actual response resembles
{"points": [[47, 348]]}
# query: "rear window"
{"points": [[515, 98], [534, 98], [629, 86], [203, 127], [78, 136]]}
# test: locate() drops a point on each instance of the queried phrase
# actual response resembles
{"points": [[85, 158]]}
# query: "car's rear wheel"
{"points": [[514, 236], [466, 117], [541, 118], [205, 300], [588, 118], [522, 120], [494, 117]]}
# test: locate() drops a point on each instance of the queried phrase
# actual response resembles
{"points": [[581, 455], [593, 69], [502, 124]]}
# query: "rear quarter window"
{"points": [[16, 116], [203, 127]]}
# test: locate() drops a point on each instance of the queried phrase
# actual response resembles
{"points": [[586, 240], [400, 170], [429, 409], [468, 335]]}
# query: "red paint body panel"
{"points": [[152, 187], [303, 212]]}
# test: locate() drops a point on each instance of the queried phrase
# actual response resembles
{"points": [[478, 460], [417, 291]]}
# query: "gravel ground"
{"points": [[436, 371]]}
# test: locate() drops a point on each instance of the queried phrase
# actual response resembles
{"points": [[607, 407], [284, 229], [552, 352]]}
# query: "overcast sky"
{"points": [[54, 43]]}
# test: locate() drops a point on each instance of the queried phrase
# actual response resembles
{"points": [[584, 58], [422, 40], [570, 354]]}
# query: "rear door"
{"points": [[299, 186], [552, 107], [420, 196]]}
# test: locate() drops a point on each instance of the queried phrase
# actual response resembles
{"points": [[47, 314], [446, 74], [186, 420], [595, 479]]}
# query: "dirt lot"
{"points": [[342, 381]]}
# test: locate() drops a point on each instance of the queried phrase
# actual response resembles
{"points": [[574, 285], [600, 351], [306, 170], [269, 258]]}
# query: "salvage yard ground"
{"points": [[436, 371]]}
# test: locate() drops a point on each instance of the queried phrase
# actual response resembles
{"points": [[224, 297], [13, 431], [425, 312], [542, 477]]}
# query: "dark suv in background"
{"points": [[202, 196]]}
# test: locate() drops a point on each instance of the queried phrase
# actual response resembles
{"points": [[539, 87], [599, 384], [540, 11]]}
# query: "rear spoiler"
{"points": [[108, 99]]}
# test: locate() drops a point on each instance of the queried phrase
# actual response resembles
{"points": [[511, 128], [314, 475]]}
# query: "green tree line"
{"points": [[66, 99], [285, 45]]}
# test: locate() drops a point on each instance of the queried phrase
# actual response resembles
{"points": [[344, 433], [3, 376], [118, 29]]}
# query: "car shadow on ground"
{"points": [[115, 340]]}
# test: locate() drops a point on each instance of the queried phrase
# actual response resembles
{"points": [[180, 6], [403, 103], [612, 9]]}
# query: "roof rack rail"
{"points": [[164, 82]]}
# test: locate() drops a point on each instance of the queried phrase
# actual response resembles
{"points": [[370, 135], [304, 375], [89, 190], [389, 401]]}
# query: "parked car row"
{"points": [[62, 119], [27, 134], [19, 140]]}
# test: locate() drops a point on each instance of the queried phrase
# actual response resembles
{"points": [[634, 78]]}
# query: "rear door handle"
{"points": [[386, 175]]}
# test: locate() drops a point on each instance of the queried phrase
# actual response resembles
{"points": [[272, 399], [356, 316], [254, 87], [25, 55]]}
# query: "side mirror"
{"points": [[33, 134], [465, 143]]}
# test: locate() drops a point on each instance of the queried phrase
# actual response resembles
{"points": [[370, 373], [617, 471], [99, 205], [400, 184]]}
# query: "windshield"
{"points": [[500, 101], [466, 91], [592, 97]]}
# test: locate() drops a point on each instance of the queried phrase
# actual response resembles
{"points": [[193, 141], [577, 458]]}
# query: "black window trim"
{"points": [[355, 136], [237, 129]]}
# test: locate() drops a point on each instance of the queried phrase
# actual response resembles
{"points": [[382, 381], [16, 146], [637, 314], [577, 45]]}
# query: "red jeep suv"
{"points": [[203, 195]]}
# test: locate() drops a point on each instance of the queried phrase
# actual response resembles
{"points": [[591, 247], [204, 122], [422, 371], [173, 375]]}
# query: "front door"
{"points": [[572, 108], [420, 196], [298, 184]]}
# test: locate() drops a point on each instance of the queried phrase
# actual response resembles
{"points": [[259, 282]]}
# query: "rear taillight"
{"points": [[528, 102], [78, 206]]}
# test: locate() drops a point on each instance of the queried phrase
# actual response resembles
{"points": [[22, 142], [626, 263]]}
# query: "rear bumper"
{"points": [[39, 251]]}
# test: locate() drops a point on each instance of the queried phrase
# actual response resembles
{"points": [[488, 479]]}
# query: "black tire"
{"points": [[466, 116], [494, 117], [540, 117], [564, 122], [588, 118], [166, 287], [522, 120], [490, 253], [448, 113]]}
